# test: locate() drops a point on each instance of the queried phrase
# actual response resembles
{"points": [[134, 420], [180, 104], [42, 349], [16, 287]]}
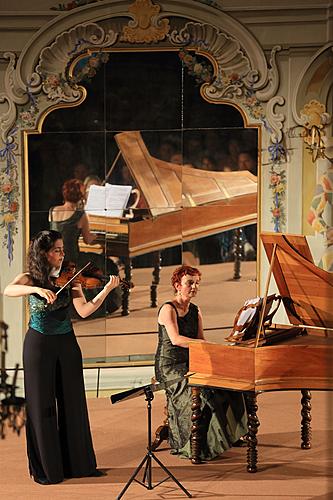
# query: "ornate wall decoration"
{"points": [[202, 71], [54, 61], [146, 26], [73, 4], [43, 76], [9, 191], [50, 83]]}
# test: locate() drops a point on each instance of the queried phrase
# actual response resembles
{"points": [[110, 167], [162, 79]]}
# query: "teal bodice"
{"points": [[51, 319]]}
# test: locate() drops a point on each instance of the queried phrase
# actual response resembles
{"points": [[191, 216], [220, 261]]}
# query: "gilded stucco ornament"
{"points": [[314, 114], [146, 25]]}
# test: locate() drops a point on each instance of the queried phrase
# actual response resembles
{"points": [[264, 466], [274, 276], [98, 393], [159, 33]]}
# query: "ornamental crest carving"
{"points": [[146, 26]]}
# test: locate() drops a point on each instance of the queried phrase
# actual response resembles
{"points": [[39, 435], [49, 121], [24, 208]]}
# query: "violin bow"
{"points": [[73, 277]]}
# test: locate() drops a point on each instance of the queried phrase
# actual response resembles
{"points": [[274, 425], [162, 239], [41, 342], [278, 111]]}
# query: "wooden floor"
{"points": [[119, 431]]}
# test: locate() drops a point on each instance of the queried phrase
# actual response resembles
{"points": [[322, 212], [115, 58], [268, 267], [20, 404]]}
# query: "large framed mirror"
{"points": [[192, 168]]}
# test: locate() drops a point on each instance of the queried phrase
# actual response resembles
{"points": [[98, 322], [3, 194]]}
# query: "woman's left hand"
{"points": [[113, 282]]}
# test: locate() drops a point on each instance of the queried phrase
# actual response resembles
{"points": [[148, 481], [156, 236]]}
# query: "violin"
{"points": [[93, 279]]}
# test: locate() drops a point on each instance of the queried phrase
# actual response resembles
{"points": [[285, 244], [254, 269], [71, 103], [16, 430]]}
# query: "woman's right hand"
{"points": [[49, 295]]}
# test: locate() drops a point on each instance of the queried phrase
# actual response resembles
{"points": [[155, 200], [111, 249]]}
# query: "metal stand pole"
{"points": [[149, 457]]}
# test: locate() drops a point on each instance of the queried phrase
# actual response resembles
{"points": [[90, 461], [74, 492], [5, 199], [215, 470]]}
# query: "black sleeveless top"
{"points": [[169, 355]]}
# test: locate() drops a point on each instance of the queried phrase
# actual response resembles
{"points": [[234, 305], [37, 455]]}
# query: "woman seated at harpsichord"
{"points": [[223, 413], [71, 220]]}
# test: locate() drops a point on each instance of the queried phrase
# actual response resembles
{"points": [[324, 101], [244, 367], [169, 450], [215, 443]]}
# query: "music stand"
{"points": [[148, 391]]}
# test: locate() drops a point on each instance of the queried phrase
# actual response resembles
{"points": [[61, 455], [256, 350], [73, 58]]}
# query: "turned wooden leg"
{"points": [[195, 433], [126, 290], [238, 252], [253, 425], [156, 279], [306, 419]]}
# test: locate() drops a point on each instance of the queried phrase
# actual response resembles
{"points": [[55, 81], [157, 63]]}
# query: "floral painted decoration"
{"points": [[277, 185], [202, 72], [253, 105], [87, 67], [9, 192]]}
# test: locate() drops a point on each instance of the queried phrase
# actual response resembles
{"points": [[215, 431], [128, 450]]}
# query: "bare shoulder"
{"points": [[58, 208], [167, 312], [22, 279]]}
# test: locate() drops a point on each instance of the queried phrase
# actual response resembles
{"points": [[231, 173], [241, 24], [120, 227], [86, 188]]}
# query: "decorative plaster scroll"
{"points": [[232, 65], [54, 60], [146, 26], [10, 97], [273, 78], [275, 120], [7, 118]]}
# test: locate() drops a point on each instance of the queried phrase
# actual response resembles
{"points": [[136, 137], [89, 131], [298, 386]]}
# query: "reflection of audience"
{"points": [[91, 180], [177, 158], [223, 419], [80, 171], [208, 163], [71, 221], [247, 161], [231, 160]]}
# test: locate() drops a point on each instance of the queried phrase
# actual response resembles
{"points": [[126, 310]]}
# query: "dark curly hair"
{"points": [[38, 265], [182, 271], [73, 190]]}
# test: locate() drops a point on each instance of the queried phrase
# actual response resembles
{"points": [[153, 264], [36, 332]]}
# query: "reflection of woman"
{"points": [[71, 221], [223, 413], [59, 443]]}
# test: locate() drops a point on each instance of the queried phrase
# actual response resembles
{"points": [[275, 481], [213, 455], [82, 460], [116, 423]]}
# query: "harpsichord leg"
{"points": [[156, 279], [306, 419], [238, 244], [253, 425], [126, 290], [195, 433]]}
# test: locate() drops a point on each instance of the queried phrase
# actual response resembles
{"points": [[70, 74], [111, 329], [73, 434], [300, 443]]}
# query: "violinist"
{"points": [[59, 443], [71, 221]]}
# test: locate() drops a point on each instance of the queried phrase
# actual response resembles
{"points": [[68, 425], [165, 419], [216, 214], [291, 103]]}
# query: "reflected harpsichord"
{"points": [[180, 204]]}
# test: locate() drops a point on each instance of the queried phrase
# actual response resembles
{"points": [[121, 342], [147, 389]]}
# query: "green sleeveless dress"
{"points": [[223, 419]]}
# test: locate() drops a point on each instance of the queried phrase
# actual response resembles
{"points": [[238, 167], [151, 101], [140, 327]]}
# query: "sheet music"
{"points": [[108, 201]]}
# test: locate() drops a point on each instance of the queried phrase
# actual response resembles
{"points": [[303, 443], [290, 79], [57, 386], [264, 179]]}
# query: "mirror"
{"points": [[153, 131]]}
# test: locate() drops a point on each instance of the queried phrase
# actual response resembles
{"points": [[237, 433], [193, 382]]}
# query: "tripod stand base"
{"points": [[148, 474]]}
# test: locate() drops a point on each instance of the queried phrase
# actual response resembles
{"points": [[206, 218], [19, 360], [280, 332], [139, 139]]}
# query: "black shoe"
{"points": [[98, 473], [41, 480]]}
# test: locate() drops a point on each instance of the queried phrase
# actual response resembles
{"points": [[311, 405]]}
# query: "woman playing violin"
{"points": [[59, 443]]}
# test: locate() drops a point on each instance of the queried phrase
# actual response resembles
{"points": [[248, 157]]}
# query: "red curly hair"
{"points": [[73, 190], [182, 271]]}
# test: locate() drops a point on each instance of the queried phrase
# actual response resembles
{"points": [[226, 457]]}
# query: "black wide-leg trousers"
{"points": [[59, 443]]}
